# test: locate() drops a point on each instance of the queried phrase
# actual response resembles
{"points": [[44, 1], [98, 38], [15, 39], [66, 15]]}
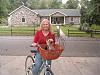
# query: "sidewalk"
{"points": [[14, 65]]}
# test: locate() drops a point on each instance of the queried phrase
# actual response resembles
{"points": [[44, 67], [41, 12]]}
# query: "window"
{"points": [[71, 18], [23, 19], [57, 20]]}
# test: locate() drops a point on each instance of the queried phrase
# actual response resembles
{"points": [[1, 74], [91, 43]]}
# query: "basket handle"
{"points": [[39, 46]]}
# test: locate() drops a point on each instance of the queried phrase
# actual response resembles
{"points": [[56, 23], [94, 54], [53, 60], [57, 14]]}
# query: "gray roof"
{"points": [[66, 12], [48, 12]]}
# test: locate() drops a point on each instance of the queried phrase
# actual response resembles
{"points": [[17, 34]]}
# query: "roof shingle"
{"points": [[67, 12]]}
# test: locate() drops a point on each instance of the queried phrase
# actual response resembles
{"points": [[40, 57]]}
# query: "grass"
{"points": [[29, 30], [75, 32], [21, 30], [65, 29], [54, 28], [97, 27]]}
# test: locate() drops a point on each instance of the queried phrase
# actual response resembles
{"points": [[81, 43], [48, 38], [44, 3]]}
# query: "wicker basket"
{"points": [[51, 54]]}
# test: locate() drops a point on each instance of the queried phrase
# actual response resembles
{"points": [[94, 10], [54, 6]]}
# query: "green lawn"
{"points": [[22, 30], [29, 31], [97, 27], [65, 29], [76, 32]]}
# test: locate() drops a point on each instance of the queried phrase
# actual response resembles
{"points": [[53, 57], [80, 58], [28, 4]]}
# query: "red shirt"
{"points": [[41, 39]]}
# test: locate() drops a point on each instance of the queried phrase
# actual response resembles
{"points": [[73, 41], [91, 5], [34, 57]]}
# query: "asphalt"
{"points": [[73, 46]]}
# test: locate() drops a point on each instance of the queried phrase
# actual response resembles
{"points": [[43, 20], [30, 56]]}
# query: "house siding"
{"points": [[66, 20], [30, 17], [76, 20]]}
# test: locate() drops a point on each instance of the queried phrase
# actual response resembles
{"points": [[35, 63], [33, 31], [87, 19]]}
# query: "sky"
{"points": [[64, 1]]}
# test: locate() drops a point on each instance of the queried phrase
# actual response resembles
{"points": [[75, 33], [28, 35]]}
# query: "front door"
{"points": [[57, 20]]}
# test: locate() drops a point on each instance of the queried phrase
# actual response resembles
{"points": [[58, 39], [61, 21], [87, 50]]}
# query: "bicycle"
{"points": [[46, 55]]}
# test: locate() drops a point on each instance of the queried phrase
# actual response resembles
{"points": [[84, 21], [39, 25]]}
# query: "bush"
{"points": [[71, 23], [3, 21], [85, 27], [94, 26]]}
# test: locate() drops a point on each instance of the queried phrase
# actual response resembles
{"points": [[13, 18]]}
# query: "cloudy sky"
{"points": [[64, 1]]}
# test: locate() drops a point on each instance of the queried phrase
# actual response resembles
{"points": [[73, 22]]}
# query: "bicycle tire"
{"points": [[49, 72], [28, 65]]}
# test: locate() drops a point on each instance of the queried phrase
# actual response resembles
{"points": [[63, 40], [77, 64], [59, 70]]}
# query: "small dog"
{"points": [[50, 44]]}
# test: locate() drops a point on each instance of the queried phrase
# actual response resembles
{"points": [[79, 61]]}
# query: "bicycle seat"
{"points": [[34, 51]]}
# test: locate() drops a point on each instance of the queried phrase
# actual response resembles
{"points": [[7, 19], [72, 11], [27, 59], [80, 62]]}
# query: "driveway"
{"points": [[14, 65]]}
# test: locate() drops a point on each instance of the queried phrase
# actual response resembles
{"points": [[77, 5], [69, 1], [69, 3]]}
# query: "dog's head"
{"points": [[50, 41], [50, 44]]}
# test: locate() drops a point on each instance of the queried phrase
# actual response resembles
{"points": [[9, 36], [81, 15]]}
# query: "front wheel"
{"points": [[28, 65], [49, 72]]}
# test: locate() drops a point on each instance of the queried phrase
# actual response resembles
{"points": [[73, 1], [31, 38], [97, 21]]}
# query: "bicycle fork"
{"points": [[47, 69]]}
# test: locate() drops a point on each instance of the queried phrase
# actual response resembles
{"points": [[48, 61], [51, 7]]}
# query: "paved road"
{"points": [[15, 45], [81, 46], [19, 46]]}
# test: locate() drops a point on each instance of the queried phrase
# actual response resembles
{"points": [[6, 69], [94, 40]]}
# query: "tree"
{"points": [[50, 4], [85, 4], [24, 1], [95, 11], [55, 4], [71, 4], [90, 11], [33, 4], [4, 6], [14, 4], [43, 4]]}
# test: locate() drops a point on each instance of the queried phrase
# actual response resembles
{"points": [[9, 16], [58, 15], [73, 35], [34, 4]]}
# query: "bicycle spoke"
{"points": [[28, 65]]}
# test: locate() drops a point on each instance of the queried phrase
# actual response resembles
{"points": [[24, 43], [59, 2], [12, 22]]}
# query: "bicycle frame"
{"points": [[45, 65]]}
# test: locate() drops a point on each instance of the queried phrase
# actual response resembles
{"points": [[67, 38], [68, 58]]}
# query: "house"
{"points": [[25, 16]]}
